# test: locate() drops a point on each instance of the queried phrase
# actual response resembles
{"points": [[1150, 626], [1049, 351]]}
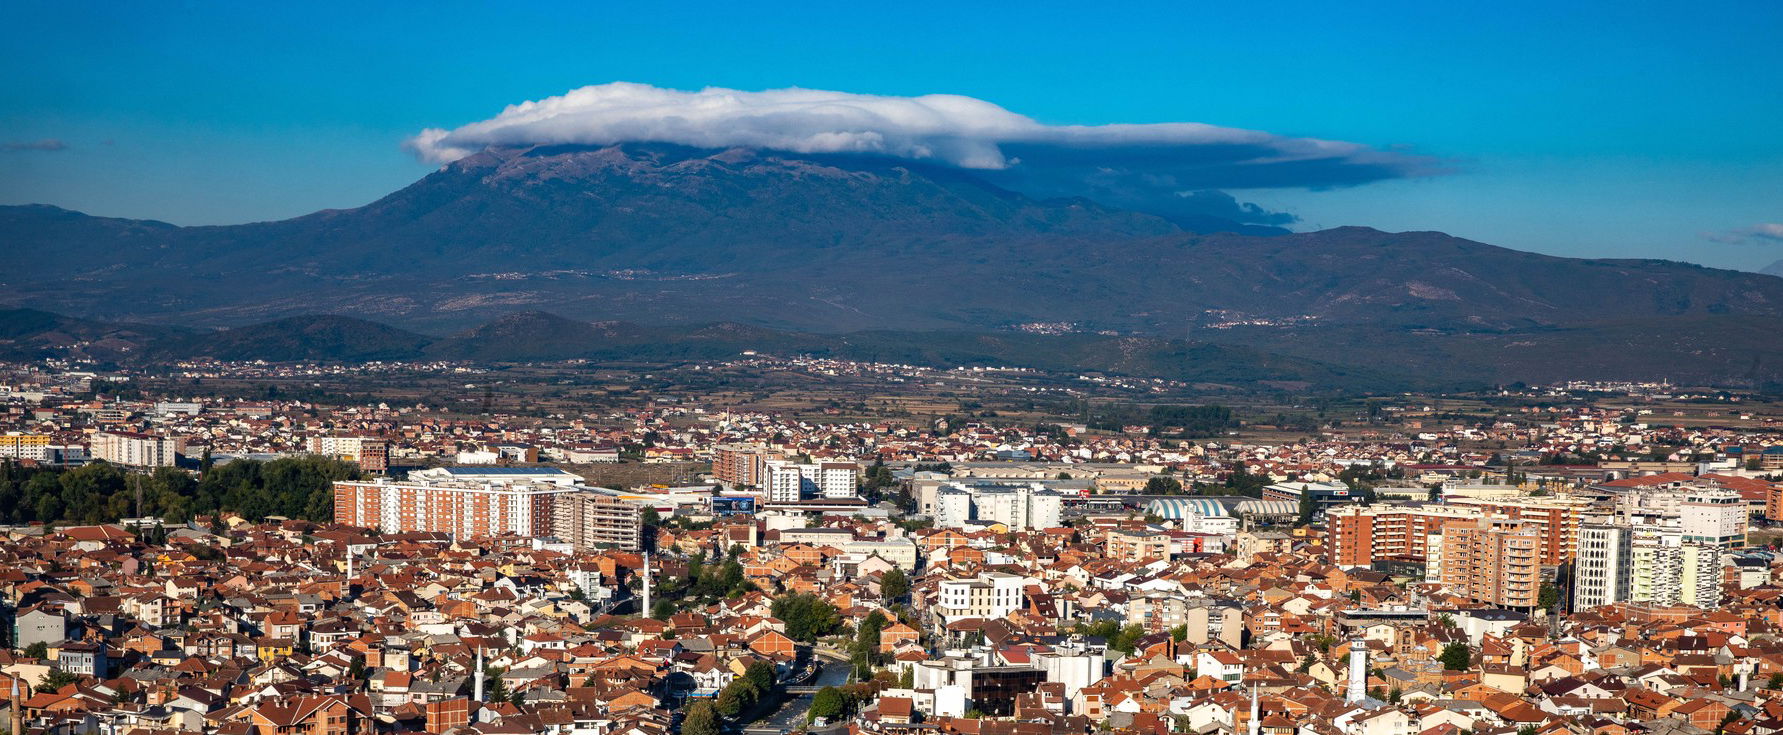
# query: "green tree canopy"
{"points": [[807, 616], [701, 719], [1456, 657]]}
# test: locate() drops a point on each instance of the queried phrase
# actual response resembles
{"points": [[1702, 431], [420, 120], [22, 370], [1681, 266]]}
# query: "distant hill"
{"points": [[29, 334], [641, 237], [1774, 269], [540, 336], [300, 338]]}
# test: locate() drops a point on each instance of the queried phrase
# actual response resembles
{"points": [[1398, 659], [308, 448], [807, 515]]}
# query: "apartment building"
{"points": [[462, 509], [1019, 507], [137, 450], [1359, 535], [1555, 519], [1646, 563], [1493, 561], [1714, 518], [991, 595], [790, 482], [25, 446], [370, 453], [1603, 566], [1136, 546], [742, 465], [589, 520]]}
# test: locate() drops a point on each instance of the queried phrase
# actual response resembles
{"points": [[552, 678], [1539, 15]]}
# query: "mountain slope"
{"points": [[668, 236]]}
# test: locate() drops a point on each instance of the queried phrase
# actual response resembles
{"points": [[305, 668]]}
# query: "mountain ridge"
{"points": [[673, 236]]}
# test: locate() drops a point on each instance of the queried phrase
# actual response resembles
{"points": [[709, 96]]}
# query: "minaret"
{"points": [[646, 611], [1256, 725], [1358, 672], [18, 717], [477, 689]]}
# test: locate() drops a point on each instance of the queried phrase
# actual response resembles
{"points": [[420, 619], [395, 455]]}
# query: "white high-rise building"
{"points": [[137, 450], [1602, 565], [1019, 508], [1621, 562], [1713, 518], [790, 482], [953, 508]]}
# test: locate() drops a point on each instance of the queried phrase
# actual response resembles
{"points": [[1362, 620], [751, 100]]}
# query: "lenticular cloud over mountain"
{"points": [[943, 129]]}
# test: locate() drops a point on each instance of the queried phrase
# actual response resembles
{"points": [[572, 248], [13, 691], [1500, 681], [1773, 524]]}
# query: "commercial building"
{"points": [[590, 520], [1020, 507], [137, 450], [462, 509]]}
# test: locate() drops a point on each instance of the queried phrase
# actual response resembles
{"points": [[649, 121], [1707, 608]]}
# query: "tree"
{"points": [[662, 609], [1162, 485], [1179, 633], [736, 697], [495, 690], [828, 703], [1456, 657], [907, 679], [1548, 597], [1776, 681], [807, 616], [893, 584], [866, 644], [55, 680], [702, 719], [1126, 639], [761, 675], [38, 650], [1307, 510]]}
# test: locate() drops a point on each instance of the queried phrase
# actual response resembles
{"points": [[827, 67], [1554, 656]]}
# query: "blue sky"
{"points": [[1597, 129]]}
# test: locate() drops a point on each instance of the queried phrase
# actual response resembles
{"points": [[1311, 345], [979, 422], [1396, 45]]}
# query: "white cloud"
{"points": [[1767, 231], [938, 128]]}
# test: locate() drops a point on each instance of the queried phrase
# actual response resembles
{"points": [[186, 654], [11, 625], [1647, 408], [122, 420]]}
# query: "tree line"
{"points": [[100, 492]]}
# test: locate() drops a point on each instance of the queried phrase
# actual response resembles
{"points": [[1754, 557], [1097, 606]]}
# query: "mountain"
{"points": [[1774, 269], [639, 237]]}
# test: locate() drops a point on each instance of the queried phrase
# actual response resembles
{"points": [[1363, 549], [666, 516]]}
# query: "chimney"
{"points": [[1358, 672]]}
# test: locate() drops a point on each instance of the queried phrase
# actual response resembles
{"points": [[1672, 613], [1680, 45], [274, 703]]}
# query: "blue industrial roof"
{"points": [[1177, 508]]}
